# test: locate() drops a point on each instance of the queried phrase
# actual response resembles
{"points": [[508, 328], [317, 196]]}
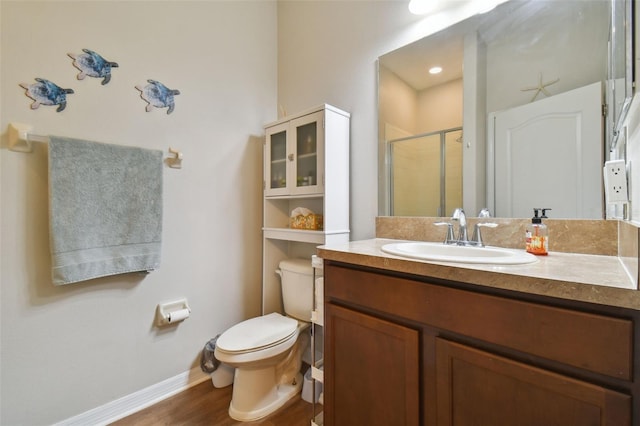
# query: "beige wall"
{"points": [[398, 103], [440, 107], [66, 350]]}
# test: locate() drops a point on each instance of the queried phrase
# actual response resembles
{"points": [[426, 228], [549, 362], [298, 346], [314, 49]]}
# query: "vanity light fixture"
{"points": [[484, 6], [423, 7], [435, 70]]}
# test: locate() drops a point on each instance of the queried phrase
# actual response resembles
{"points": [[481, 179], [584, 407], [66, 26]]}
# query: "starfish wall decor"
{"points": [[541, 87]]}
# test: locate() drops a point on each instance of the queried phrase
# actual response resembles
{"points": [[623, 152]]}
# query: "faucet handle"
{"points": [[449, 238], [458, 214], [477, 235], [485, 212]]}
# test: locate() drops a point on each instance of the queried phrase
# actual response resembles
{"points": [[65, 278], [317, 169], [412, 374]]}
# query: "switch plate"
{"points": [[615, 182]]}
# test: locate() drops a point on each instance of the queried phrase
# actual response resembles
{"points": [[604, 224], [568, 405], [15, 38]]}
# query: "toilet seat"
{"points": [[257, 334]]}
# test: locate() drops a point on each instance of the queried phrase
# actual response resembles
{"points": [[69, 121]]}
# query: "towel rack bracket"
{"points": [[175, 159], [19, 137]]}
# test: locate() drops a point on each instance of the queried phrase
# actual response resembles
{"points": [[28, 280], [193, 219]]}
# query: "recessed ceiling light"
{"points": [[435, 70]]}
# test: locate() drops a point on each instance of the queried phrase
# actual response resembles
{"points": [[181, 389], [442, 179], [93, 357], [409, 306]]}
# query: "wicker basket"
{"points": [[311, 222]]}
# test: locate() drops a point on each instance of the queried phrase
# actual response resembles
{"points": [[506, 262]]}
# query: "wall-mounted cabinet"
{"points": [[306, 165], [294, 156]]}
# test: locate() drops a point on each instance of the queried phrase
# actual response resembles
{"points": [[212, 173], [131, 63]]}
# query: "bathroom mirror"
{"points": [[524, 52]]}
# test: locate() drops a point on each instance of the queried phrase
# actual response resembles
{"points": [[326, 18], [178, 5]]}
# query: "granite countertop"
{"points": [[582, 277]]}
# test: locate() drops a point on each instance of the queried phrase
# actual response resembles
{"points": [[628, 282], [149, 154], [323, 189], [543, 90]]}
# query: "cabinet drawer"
{"points": [[596, 343]]}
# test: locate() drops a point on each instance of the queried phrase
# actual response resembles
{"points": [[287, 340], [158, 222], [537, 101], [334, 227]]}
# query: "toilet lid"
{"points": [[257, 333]]}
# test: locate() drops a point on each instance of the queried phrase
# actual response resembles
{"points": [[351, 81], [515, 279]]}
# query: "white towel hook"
{"points": [[175, 161]]}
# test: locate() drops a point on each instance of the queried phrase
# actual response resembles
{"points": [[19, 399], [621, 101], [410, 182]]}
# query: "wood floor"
{"points": [[204, 404]]}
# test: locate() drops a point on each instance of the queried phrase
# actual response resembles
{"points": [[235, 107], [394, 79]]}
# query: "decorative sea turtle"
{"points": [[45, 92], [93, 65], [157, 95]]}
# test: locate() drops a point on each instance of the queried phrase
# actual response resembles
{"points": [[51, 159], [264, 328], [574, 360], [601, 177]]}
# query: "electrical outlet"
{"points": [[615, 182]]}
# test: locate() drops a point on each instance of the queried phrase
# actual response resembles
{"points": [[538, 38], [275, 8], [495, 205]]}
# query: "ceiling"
{"points": [[446, 47], [412, 66]]}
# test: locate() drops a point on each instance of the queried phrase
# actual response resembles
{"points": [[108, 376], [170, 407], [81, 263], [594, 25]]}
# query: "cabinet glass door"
{"points": [[276, 161], [308, 153]]}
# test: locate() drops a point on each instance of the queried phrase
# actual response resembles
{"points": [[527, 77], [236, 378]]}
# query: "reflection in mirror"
{"points": [[620, 88], [426, 173], [524, 52]]}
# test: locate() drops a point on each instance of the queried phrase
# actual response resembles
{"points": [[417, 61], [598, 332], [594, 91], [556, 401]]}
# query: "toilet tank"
{"points": [[297, 288]]}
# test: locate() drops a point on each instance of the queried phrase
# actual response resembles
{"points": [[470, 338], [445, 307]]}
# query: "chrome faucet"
{"points": [[462, 238], [461, 218]]}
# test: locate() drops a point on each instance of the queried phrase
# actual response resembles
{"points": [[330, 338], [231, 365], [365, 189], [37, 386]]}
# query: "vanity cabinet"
{"points": [[306, 165], [408, 350]]}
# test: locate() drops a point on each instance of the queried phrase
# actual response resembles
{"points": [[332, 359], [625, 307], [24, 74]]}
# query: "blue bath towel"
{"points": [[105, 209]]}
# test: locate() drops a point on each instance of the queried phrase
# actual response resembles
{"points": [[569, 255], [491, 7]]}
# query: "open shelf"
{"points": [[299, 235], [317, 374]]}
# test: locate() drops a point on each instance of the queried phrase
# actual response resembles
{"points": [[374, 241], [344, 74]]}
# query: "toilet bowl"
{"points": [[267, 351]]}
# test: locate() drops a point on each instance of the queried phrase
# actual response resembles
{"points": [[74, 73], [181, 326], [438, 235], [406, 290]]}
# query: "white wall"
{"points": [[68, 349], [632, 124], [327, 52]]}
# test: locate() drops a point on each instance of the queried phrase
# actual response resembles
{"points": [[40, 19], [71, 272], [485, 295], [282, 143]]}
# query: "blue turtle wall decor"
{"points": [[158, 95], [93, 65], [44, 92]]}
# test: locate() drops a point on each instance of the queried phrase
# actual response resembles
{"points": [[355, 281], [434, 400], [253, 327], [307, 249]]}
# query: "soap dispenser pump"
{"points": [[537, 237]]}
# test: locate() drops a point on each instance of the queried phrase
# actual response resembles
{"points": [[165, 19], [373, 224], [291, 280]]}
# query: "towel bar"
{"points": [[21, 138]]}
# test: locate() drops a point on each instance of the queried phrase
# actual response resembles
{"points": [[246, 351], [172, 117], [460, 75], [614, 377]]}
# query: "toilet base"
{"points": [[272, 399]]}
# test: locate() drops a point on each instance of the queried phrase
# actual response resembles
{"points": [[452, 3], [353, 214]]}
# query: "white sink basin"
{"points": [[451, 253]]}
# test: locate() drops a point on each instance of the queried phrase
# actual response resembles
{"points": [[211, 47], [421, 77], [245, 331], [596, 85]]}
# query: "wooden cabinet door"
{"points": [[478, 388], [372, 374]]}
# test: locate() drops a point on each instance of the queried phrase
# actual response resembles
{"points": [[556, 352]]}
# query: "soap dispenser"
{"points": [[537, 233]]}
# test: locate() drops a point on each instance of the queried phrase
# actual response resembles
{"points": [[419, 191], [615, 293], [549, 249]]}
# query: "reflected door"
{"points": [[549, 154]]}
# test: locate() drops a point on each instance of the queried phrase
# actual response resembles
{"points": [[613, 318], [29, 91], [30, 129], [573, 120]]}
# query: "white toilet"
{"points": [[267, 351]]}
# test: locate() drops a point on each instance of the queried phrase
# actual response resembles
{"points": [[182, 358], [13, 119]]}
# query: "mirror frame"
{"points": [[623, 9]]}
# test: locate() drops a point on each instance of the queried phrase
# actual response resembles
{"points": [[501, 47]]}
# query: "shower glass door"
{"points": [[426, 174]]}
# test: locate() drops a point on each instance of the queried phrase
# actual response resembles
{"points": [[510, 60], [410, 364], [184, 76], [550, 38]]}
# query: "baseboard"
{"points": [[122, 407]]}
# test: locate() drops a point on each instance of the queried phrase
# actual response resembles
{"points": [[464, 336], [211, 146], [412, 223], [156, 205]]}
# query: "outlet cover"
{"points": [[615, 182]]}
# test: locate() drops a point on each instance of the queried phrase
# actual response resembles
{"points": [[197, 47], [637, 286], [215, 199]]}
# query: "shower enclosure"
{"points": [[425, 173]]}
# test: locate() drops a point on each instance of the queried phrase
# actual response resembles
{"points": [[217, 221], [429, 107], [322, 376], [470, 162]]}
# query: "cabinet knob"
{"points": [[290, 157]]}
